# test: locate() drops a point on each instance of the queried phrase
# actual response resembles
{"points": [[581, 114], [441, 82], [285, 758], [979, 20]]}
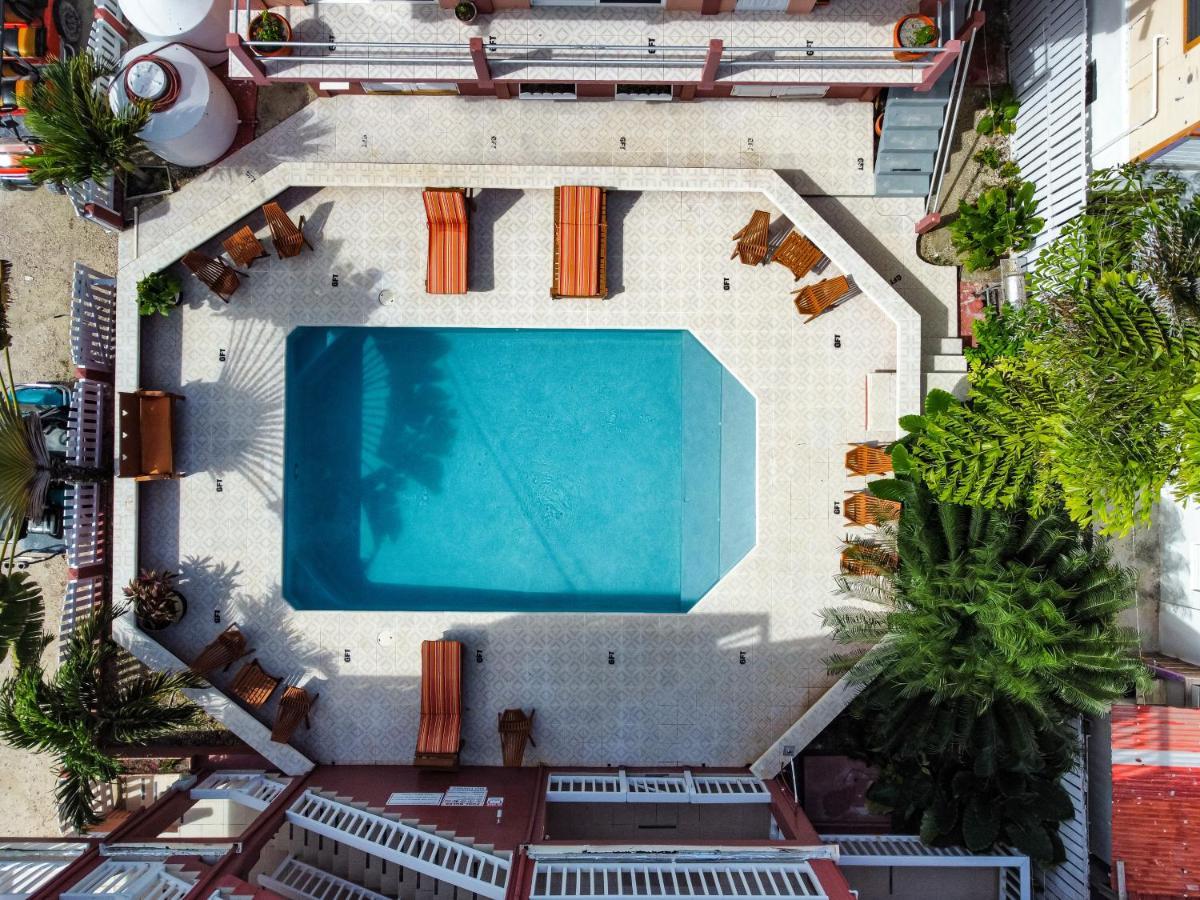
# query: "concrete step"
{"points": [[889, 161], [901, 184], [947, 363], [898, 137], [907, 115], [952, 345], [952, 382]]}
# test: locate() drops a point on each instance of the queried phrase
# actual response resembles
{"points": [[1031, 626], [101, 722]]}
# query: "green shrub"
{"points": [[990, 157], [157, 293], [1001, 116], [267, 27], [1001, 219], [924, 36]]}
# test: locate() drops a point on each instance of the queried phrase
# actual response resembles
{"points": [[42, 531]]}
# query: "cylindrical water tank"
{"points": [[201, 24], [195, 119]]}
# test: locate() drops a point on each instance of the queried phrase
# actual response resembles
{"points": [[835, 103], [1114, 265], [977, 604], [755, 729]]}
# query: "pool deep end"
{"points": [[512, 470]]}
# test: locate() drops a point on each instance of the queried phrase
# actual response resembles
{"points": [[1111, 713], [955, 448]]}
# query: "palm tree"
{"points": [[84, 709], [22, 613], [79, 134]]}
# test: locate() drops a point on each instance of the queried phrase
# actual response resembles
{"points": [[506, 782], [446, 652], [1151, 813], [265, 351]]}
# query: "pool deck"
{"points": [[717, 686]]}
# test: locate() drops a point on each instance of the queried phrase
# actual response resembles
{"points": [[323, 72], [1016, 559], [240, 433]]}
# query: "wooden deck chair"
{"points": [[219, 278], [798, 254], [244, 248], [225, 649], [287, 237], [868, 559], [446, 264], [814, 299], [580, 242], [439, 736], [515, 730], [253, 686], [864, 508], [752, 240], [863, 459], [294, 707]]}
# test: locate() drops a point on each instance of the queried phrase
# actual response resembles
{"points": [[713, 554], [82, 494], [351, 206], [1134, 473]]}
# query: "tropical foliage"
{"points": [[980, 634], [79, 134], [85, 708], [157, 293], [1090, 397], [999, 220], [1001, 115], [22, 612]]}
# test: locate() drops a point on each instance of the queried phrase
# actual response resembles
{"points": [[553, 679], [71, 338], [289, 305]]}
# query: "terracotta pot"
{"points": [[879, 125], [896, 42], [287, 36]]}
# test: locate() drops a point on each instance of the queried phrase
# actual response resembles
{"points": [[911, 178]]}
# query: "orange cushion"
{"points": [[446, 215], [577, 240], [158, 456], [441, 678], [439, 734]]}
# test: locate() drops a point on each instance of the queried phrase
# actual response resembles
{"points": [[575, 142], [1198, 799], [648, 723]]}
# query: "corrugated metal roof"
{"points": [[1156, 808]]}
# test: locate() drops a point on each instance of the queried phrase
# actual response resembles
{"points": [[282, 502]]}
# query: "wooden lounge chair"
{"points": [[797, 253], [863, 459], [226, 648], [580, 242], [864, 508], [446, 216], [752, 240], [146, 423], [868, 559], [219, 278], [287, 237], [244, 248], [439, 737], [515, 730], [253, 686], [814, 299], [294, 707]]}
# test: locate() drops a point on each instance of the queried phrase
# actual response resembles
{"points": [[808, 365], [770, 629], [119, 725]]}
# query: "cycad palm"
{"points": [[79, 134], [80, 712]]}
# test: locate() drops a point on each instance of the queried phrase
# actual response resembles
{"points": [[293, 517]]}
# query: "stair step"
{"points": [[946, 363], [952, 382], [914, 116], [903, 161], [950, 345], [901, 138], [900, 184]]}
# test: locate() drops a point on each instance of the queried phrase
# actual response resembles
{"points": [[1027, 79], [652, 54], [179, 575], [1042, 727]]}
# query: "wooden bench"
{"points": [[146, 424]]}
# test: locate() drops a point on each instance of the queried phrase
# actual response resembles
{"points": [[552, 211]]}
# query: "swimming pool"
{"points": [[512, 470]]}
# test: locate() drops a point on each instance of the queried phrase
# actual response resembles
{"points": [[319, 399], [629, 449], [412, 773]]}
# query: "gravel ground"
{"points": [[41, 236]]}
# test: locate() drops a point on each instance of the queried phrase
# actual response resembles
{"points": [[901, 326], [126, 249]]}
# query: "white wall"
{"points": [[1179, 582], [1108, 114]]}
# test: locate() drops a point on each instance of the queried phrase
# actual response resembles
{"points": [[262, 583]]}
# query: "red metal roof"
{"points": [[1156, 801]]}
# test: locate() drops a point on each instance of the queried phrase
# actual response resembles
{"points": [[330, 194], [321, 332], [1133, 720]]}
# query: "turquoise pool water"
{"points": [[518, 470]]}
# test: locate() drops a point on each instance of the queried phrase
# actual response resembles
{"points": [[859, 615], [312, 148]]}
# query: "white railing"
{"points": [[958, 82], [83, 525], [129, 881], [255, 790], [445, 860], [648, 877], [300, 881], [26, 867], [93, 319], [85, 434], [84, 596], [107, 43], [675, 787]]}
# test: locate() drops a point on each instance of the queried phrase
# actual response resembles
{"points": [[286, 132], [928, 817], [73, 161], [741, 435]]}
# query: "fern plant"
{"points": [[1001, 219], [79, 134]]}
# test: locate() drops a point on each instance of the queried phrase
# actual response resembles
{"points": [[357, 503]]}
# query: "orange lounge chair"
{"points": [[146, 422], [253, 686], [864, 508], [294, 707], [814, 299], [213, 274], [798, 254], [580, 242], [515, 731], [243, 247], [439, 737], [226, 648], [863, 459], [752, 240], [446, 216], [287, 237]]}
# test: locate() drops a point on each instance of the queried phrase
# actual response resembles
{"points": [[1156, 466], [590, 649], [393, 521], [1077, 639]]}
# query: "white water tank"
{"points": [[202, 24], [195, 119]]}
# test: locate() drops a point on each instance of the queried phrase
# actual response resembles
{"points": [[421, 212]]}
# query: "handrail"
{"points": [[957, 84]]}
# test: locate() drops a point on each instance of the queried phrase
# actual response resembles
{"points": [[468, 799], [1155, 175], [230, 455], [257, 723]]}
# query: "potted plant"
{"points": [[269, 26], [156, 601], [158, 292], [913, 31], [465, 11]]}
